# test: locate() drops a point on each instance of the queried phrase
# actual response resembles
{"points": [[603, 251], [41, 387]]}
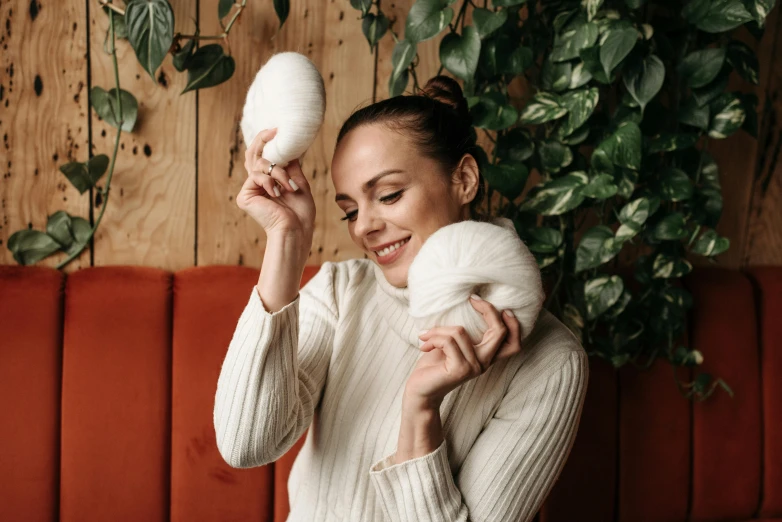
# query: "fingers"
{"points": [[256, 146], [458, 345], [512, 344], [259, 171], [496, 326], [297, 175]]}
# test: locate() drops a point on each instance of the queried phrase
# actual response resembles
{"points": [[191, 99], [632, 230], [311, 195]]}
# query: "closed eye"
{"points": [[391, 197]]}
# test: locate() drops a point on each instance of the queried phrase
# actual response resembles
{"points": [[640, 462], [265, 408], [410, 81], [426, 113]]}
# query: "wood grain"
{"points": [[330, 35], [151, 209], [172, 196], [43, 116], [761, 243]]}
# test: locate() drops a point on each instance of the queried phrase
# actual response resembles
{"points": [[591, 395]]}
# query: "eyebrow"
{"points": [[371, 183]]}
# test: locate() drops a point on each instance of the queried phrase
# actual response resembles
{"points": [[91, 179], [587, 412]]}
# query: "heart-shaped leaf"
{"points": [[361, 5], [557, 196], [83, 176], [601, 293], [209, 66], [507, 179], [711, 244], [401, 58], [108, 108], [459, 53], [617, 44], [644, 79], [224, 8], [544, 107], [487, 21], [700, 68], [30, 246], [426, 19], [374, 27], [150, 31], [597, 246], [282, 8]]}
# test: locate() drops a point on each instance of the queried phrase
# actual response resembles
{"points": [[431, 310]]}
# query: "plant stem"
{"points": [[107, 3], [105, 192]]}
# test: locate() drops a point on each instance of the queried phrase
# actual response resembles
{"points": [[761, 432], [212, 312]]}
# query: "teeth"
{"points": [[390, 249]]}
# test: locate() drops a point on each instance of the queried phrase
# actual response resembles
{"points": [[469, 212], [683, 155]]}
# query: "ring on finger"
{"points": [[270, 168]]}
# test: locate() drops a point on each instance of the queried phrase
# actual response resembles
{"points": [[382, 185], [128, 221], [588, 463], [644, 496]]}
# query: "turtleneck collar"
{"points": [[395, 302]]}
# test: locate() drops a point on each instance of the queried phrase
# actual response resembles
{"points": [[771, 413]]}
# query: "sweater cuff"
{"points": [[256, 306], [419, 489]]}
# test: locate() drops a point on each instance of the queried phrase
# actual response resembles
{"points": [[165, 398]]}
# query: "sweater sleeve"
{"points": [[273, 374], [512, 465]]}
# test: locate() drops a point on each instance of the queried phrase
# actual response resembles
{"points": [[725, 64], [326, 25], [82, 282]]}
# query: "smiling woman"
{"points": [[404, 426], [405, 167]]}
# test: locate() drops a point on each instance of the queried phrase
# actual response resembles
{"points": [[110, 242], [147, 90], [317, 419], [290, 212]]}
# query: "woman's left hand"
{"points": [[451, 359]]}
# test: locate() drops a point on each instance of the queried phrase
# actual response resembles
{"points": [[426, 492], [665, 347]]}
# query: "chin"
{"points": [[396, 276]]}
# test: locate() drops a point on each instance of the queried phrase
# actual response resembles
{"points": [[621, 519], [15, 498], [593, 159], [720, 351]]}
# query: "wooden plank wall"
{"points": [[172, 196]]}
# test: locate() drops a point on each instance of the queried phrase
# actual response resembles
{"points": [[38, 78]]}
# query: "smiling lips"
{"points": [[388, 254]]}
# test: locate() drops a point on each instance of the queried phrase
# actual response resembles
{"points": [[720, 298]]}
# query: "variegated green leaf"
{"points": [[601, 293], [459, 53], [691, 114], [580, 105], [426, 19], [674, 185], [557, 196], [508, 179], [577, 35], [544, 107], [487, 21], [623, 147], [729, 115], [716, 16], [744, 60], [632, 217], [597, 246], [579, 76], [544, 240], [700, 68], [616, 45], [666, 266], [672, 227], [591, 6], [645, 79], [556, 76], [626, 180], [554, 156], [600, 187], [669, 141], [759, 9], [711, 244]]}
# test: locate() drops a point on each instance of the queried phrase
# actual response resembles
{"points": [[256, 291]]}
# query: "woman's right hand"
{"points": [[291, 210]]}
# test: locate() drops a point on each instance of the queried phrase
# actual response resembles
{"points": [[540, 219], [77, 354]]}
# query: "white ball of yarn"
{"points": [[287, 93], [474, 257]]}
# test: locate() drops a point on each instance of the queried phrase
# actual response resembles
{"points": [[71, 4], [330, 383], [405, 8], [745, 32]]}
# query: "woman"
{"points": [[402, 427]]}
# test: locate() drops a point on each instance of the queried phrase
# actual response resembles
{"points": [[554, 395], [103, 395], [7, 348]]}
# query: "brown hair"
{"points": [[437, 121]]}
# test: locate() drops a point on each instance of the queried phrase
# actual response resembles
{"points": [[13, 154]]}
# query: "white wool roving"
{"points": [[474, 257], [287, 93]]}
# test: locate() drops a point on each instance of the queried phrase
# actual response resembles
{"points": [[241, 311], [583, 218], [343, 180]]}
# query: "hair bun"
{"points": [[448, 91]]}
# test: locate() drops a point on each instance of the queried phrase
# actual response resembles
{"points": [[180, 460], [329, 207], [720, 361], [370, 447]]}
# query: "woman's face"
{"points": [[390, 193]]}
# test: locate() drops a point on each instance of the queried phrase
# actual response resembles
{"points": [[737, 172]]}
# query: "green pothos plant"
{"points": [[626, 97], [148, 26]]}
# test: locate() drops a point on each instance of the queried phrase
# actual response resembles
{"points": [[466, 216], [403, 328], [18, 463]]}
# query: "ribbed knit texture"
{"points": [[338, 357]]}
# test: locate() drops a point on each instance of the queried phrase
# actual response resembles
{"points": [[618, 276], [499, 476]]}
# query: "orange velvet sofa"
{"points": [[108, 375]]}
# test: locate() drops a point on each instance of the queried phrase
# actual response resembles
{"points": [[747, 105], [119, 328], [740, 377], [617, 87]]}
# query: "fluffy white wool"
{"points": [[474, 257], [287, 93]]}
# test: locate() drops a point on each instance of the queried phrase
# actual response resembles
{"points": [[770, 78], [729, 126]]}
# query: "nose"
{"points": [[366, 223]]}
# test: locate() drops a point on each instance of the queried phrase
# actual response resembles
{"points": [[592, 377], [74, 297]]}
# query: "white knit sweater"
{"points": [[336, 359]]}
